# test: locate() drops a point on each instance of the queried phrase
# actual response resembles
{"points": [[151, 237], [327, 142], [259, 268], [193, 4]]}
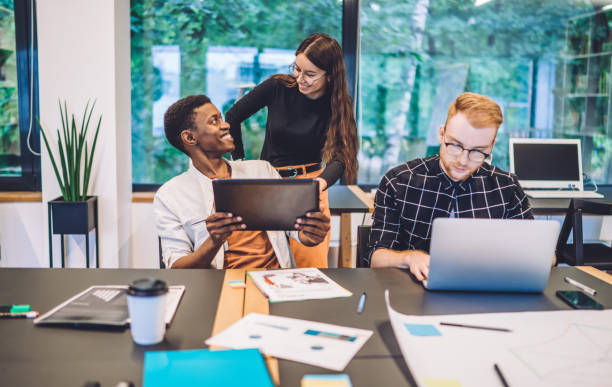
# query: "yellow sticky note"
{"points": [[441, 382]]}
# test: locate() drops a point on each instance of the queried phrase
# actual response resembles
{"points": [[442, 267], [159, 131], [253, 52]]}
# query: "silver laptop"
{"points": [[549, 168], [504, 255]]}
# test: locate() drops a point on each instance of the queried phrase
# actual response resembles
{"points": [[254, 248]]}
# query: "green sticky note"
{"points": [[20, 309]]}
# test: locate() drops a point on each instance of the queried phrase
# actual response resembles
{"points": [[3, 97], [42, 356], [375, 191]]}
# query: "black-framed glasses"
{"points": [[309, 78], [473, 154]]}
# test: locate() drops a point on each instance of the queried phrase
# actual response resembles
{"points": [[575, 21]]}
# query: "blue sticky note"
{"points": [[202, 367], [422, 330]]}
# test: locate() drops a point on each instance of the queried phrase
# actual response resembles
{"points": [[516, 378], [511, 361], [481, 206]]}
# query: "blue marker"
{"points": [[361, 304], [330, 335]]}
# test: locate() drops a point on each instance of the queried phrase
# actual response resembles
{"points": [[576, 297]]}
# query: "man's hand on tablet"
{"points": [[313, 227], [220, 226]]}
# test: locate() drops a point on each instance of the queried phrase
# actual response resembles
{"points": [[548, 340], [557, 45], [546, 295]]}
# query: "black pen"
{"points": [[475, 327], [501, 376], [31, 314], [361, 304]]}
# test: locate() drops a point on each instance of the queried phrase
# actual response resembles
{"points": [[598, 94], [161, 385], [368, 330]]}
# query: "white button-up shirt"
{"points": [[183, 203]]}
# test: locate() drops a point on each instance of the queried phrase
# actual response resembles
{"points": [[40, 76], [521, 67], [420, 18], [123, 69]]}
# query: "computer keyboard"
{"points": [[562, 194]]}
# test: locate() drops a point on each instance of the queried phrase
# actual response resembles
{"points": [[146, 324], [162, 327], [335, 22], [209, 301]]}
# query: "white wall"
{"points": [[22, 235], [84, 54]]}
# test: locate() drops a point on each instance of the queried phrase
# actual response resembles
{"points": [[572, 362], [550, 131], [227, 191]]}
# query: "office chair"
{"points": [[162, 265], [363, 237], [579, 253]]}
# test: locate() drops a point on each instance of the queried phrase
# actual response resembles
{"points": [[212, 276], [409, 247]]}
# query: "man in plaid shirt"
{"points": [[455, 183]]}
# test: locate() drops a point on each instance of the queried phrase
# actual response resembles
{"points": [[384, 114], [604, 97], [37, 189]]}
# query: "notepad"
{"points": [[323, 345], [333, 380], [103, 306], [297, 285], [202, 367]]}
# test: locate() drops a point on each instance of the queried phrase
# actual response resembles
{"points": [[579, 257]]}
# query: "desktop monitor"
{"points": [[547, 163]]}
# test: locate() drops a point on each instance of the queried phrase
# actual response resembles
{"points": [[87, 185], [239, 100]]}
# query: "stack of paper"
{"points": [[554, 348], [324, 345], [297, 285]]}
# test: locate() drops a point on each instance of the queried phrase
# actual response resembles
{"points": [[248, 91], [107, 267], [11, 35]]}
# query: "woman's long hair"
{"points": [[341, 141]]}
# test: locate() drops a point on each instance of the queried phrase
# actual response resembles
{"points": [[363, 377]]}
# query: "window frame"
{"points": [[30, 179]]}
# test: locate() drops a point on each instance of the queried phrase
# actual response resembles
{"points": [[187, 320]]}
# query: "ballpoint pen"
{"points": [[581, 286], [500, 375], [475, 327]]}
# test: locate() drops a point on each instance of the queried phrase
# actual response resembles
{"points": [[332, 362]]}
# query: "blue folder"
{"points": [[202, 367]]}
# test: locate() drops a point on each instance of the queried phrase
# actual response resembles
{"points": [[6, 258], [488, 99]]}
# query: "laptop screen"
{"points": [[546, 163]]}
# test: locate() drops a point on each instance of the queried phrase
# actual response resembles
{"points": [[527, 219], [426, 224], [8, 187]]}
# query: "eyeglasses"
{"points": [[473, 154], [309, 78]]}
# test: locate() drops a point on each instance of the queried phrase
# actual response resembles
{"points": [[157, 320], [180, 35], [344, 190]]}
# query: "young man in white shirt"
{"points": [[192, 234]]}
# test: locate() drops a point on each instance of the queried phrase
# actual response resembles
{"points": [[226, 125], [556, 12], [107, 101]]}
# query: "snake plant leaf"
{"points": [[89, 164], [63, 164], [57, 175], [75, 155], [85, 179]]}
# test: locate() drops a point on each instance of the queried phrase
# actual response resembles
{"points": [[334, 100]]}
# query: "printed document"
{"points": [[323, 345], [297, 285]]}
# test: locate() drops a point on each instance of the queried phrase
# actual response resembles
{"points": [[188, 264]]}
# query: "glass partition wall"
{"points": [[218, 48], [10, 146], [547, 63]]}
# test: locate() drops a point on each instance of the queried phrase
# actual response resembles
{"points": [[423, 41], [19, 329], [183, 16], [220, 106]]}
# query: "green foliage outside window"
{"points": [[414, 55], [414, 52], [10, 150], [194, 26]]}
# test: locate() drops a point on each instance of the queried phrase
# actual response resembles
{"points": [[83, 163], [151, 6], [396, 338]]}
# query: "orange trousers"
{"points": [[315, 256]]}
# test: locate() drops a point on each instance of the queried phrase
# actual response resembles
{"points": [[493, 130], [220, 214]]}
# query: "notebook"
{"points": [[267, 204], [202, 367], [504, 255], [549, 168], [102, 306]]}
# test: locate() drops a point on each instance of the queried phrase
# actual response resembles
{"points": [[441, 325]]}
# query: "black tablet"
{"points": [[267, 204]]}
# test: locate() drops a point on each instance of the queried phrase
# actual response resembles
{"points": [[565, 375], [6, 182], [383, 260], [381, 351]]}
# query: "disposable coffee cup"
{"points": [[147, 307]]}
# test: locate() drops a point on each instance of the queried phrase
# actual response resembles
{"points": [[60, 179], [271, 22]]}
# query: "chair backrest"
{"points": [[162, 265], [363, 237]]}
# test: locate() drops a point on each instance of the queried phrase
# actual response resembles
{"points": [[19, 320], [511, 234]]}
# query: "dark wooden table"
{"points": [[50, 356]]}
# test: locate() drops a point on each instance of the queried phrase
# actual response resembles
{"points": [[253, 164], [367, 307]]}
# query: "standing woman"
{"points": [[310, 121]]}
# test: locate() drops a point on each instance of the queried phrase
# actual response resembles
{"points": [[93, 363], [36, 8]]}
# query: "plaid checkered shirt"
{"points": [[411, 195]]}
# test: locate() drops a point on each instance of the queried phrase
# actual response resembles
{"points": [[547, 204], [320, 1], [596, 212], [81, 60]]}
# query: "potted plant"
{"points": [[74, 212]]}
